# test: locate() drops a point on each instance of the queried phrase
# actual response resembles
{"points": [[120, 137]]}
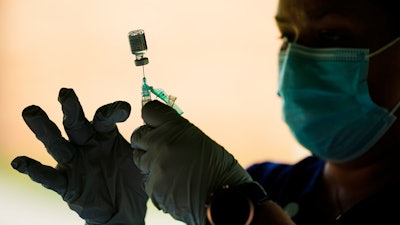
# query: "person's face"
{"points": [[346, 24]]}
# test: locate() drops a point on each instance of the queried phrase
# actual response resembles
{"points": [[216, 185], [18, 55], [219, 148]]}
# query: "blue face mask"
{"points": [[326, 102]]}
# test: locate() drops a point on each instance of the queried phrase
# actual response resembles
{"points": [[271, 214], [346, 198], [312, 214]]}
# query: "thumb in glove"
{"points": [[182, 164]]}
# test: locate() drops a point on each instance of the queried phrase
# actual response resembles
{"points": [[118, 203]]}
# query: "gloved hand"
{"points": [[95, 173], [182, 165]]}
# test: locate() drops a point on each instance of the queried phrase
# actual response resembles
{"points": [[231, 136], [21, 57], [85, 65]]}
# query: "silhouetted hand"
{"points": [[95, 173]]}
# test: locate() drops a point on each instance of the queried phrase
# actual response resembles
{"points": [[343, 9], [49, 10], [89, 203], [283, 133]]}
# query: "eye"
{"points": [[332, 38], [329, 35]]}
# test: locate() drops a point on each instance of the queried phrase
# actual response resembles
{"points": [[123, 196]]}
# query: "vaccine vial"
{"points": [[138, 44]]}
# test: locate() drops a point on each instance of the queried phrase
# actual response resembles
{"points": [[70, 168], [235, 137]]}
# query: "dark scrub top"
{"points": [[293, 188]]}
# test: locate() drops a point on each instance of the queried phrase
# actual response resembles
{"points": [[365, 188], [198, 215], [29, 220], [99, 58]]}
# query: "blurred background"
{"points": [[218, 57]]}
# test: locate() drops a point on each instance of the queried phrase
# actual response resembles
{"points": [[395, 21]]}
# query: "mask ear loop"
{"points": [[396, 107], [384, 48]]}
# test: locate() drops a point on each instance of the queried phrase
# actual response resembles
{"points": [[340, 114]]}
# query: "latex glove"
{"points": [[95, 173], [182, 164]]}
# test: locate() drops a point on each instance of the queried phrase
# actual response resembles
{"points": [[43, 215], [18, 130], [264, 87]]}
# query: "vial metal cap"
{"points": [[142, 61]]}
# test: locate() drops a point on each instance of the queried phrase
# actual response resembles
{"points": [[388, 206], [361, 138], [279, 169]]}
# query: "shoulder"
{"points": [[270, 172], [287, 180]]}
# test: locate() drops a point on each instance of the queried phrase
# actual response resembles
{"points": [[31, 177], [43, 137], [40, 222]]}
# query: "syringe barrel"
{"points": [[146, 97]]}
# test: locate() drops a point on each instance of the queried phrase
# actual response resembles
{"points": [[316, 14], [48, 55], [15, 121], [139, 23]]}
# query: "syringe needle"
{"points": [[138, 45]]}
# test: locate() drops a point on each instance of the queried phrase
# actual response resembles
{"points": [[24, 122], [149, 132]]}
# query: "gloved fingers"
{"points": [[138, 137], [47, 176], [140, 146], [48, 133], [77, 127], [155, 113], [140, 161], [107, 116]]}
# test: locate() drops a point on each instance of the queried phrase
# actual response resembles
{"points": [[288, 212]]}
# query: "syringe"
{"points": [[146, 97], [138, 45], [160, 93]]}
